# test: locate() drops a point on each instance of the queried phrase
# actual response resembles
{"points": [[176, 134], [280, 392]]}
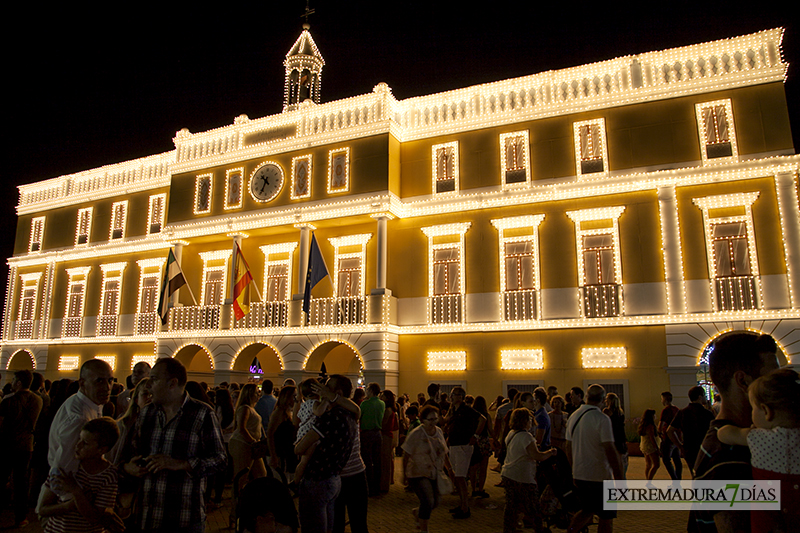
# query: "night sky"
{"points": [[89, 88]]}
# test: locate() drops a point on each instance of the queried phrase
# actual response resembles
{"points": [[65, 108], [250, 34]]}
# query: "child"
{"points": [[774, 443], [648, 444], [92, 491]]}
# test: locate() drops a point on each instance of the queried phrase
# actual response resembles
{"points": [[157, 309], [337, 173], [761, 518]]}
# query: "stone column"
{"points": [[790, 221], [671, 242]]}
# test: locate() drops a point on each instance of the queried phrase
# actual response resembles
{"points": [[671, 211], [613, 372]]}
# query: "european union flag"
{"points": [[317, 271]]}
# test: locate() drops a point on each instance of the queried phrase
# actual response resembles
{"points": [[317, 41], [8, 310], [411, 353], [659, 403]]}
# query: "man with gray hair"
{"points": [[590, 449]]}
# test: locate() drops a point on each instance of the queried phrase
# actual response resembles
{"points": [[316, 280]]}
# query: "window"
{"points": [[146, 318], [37, 233], [717, 134], [109, 299], [599, 260], [277, 282], [215, 270], [119, 212], [27, 305], [83, 226], [445, 272], [155, 213], [202, 194], [445, 167], [731, 249], [515, 158], [233, 188], [590, 148], [349, 259], [301, 177], [76, 296], [339, 170], [519, 266]]}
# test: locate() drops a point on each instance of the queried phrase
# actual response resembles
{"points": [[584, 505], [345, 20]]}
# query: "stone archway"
{"points": [[198, 362], [268, 358], [21, 360], [338, 357]]}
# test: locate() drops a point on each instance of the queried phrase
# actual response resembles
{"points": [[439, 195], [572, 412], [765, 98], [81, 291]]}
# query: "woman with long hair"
{"points": [[248, 431], [281, 432], [479, 464], [617, 416], [139, 398], [648, 444], [558, 423], [389, 438]]}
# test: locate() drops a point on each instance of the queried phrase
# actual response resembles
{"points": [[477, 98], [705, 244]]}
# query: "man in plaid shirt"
{"points": [[177, 444]]}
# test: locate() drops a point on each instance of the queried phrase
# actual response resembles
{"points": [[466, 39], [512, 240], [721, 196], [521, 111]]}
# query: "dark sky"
{"points": [[89, 88]]}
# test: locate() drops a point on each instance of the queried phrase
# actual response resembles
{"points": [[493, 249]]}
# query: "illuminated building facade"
{"points": [[600, 223]]}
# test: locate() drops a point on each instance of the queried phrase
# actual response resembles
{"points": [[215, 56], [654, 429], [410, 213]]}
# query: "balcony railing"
{"points": [[195, 317], [72, 326], [337, 311], [601, 300], [24, 329], [107, 325], [265, 315], [145, 323], [519, 305], [447, 309], [736, 293]]}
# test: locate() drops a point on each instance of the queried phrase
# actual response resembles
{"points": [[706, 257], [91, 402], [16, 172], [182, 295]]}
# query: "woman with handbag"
{"points": [[248, 433], [424, 457]]}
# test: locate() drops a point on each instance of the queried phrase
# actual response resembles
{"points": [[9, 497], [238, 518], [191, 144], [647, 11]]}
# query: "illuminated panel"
{"points": [[339, 170], [301, 177], [591, 152], [717, 132], [234, 179], [532, 359], [110, 359], [613, 357], [68, 363], [515, 168], [447, 361], [203, 185], [149, 359], [444, 162]]}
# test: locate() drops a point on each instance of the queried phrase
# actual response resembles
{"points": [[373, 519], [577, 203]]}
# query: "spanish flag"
{"points": [[241, 287]]}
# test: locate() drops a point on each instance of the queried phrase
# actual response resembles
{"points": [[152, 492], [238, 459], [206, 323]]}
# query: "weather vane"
{"points": [[307, 12]]}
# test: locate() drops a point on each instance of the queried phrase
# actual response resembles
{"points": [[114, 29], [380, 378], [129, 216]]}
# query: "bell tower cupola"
{"points": [[303, 72]]}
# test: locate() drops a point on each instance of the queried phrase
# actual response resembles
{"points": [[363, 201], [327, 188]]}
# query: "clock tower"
{"points": [[303, 72]]}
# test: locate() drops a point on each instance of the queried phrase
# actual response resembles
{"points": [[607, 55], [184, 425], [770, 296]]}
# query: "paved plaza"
{"points": [[391, 513]]}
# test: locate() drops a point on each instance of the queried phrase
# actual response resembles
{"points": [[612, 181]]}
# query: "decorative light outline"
{"points": [[435, 167], [526, 156], [123, 215], [228, 178], [87, 211], [198, 181], [295, 162], [331, 155], [610, 357], [701, 131], [601, 124], [524, 359]]}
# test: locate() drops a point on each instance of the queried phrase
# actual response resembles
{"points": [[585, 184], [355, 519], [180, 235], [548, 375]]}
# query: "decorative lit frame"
{"points": [[157, 205], [29, 281], [612, 357], [37, 235], [435, 170], [119, 220], [110, 359], [77, 276], [742, 200], [69, 363], [701, 131], [87, 213], [576, 131], [198, 185], [526, 158], [231, 176], [447, 361], [444, 230], [213, 256], [529, 359], [299, 188], [284, 248], [527, 221], [149, 359], [333, 157], [346, 241], [590, 215], [111, 272], [149, 268]]}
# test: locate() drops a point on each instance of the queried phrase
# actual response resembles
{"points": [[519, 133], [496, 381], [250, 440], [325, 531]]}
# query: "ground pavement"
{"points": [[391, 513]]}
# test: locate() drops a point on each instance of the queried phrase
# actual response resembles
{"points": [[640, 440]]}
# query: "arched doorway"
{"points": [[258, 361], [21, 360], [338, 358], [198, 362]]}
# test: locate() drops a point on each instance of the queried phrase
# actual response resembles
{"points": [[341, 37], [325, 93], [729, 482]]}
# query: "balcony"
{"points": [[337, 311], [194, 318], [107, 325], [264, 315], [736, 293], [519, 305], [145, 323], [447, 309], [601, 300], [71, 326], [24, 329]]}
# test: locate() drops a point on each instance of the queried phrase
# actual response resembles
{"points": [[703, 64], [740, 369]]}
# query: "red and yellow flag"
{"points": [[241, 288]]}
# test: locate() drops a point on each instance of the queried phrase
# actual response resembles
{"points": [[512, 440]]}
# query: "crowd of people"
{"points": [[154, 456]]}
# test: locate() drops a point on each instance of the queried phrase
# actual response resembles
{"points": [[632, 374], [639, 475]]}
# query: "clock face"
{"points": [[266, 182]]}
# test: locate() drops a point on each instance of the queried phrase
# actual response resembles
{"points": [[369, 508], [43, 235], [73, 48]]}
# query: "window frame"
{"points": [[451, 147], [703, 136], [87, 212], [524, 136], [600, 123]]}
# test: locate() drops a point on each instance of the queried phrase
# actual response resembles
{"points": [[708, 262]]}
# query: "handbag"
{"points": [[443, 482]]}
